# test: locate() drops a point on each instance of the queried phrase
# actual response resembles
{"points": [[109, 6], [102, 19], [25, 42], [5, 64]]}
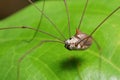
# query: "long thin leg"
{"points": [[83, 14], [100, 61], [38, 24], [69, 31], [104, 20], [54, 25], [28, 52], [25, 27]]}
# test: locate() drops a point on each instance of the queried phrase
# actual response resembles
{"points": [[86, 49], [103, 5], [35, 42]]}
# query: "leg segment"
{"points": [[54, 25], [38, 24], [67, 11], [28, 52]]}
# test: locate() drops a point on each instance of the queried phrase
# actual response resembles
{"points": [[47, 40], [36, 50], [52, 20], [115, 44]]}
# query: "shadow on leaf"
{"points": [[71, 63]]}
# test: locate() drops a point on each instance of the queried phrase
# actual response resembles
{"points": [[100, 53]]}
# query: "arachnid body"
{"points": [[50, 59]]}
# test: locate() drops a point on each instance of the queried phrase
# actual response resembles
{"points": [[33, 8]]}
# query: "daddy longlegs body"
{"points": [[79, 41]]}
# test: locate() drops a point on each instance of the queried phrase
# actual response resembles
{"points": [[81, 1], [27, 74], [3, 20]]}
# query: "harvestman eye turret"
{"points": [[80, 41]]}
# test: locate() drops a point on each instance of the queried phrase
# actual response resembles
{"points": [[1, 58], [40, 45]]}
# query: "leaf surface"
{"points": [[51, 61]]}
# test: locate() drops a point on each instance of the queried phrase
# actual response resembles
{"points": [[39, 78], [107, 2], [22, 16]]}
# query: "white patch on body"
{"points": [[72, 42], [76, 42]]}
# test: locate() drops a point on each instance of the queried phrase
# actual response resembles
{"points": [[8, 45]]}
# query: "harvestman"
{"points": [[80, 41]]}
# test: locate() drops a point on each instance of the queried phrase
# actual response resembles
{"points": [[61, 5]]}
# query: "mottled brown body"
{"points": [[79, 41]]}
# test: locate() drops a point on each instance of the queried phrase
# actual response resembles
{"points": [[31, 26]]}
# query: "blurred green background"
{"points": [[52, 61]]}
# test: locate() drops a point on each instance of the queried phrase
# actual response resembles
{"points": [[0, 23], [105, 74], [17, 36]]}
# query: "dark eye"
{"points": [[67, 46], [70, 38]]}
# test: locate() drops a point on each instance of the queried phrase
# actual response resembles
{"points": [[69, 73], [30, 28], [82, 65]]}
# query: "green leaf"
{"points": [[51, 61]]}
